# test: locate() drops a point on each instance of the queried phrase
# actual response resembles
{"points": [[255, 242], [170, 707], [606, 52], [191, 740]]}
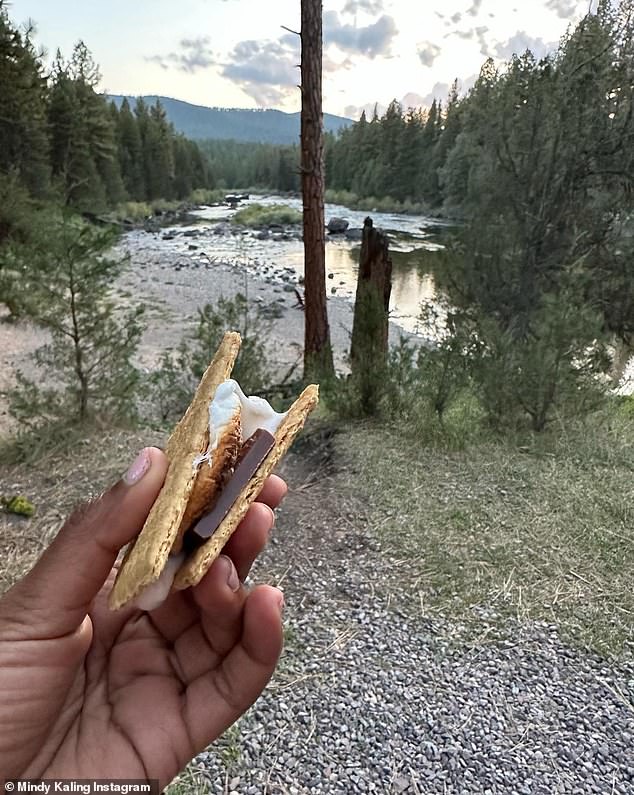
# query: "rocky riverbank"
{"points": [[176, 272]]}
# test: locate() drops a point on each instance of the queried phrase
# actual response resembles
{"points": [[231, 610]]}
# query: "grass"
{"points": [[256, 215], [205, 196], [190, 782], [56, 481], [533, 529], [385, 204], [141, 211]]}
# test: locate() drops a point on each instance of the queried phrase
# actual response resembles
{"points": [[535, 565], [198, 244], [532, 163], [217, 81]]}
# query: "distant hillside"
{"points": [[265, 126]]}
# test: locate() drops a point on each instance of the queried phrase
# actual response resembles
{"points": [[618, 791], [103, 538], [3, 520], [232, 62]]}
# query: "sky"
{"points": [[237, 53]]}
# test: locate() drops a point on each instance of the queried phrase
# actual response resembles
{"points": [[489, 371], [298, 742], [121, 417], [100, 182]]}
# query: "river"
{"points": [[411, 238]]}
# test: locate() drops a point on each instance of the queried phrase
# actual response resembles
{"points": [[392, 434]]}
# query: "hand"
{"points": [[90, 693]]}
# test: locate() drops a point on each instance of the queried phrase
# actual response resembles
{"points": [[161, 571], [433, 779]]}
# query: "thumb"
{"points": [[54, 598]]}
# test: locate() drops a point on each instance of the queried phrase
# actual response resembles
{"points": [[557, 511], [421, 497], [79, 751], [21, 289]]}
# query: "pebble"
{"points": [[368, 699]]}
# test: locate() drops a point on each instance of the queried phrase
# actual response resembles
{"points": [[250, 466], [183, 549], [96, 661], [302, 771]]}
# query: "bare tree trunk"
{"points": [[317, 349], [369, 346]]}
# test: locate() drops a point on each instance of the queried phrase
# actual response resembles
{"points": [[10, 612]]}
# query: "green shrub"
{"points": [[425, 389], [344, 197], [257, 215], [206, 196], [169, 388], [252, 367], [165, 205], [553, 370], [133, 211]]}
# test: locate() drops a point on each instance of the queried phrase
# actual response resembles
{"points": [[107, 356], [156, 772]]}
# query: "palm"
{"points": [[131, 694], [134, 695]]}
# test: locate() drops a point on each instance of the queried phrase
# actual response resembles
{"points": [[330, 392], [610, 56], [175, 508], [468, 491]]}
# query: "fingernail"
{"points": [[280, 600], [138, 468], [233, 581]]}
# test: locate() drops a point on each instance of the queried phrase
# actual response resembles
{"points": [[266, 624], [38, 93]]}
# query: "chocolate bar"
{"points": [[252, 454]]}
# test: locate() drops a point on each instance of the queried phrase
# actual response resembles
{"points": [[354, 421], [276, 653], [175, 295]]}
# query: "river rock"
{"points": [[337, 226], [354, 234]]}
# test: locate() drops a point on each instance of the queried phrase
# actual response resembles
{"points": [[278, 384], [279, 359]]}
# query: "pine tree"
{"points": [[392, 160], [128, 150], [158, 155], [23, 140], [83, 144], [86, 370]]}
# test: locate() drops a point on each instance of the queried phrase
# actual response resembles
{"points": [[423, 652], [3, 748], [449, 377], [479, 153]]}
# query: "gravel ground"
{"points": [[375, 696]]}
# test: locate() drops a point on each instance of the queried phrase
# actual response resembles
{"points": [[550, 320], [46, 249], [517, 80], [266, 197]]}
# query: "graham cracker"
{"points": [[147, 555]]}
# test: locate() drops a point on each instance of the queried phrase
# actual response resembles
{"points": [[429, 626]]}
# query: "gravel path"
{"points": [[371, 697]]}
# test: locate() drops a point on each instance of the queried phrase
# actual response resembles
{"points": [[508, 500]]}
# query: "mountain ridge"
{"points": [[200, 122]]}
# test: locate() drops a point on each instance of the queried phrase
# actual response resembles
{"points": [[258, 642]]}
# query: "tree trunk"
{"points": [[317, 350], [369, 346]]}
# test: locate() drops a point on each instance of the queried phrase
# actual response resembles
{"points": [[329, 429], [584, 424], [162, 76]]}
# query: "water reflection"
{"points": [[412, 246], [412, 284]]}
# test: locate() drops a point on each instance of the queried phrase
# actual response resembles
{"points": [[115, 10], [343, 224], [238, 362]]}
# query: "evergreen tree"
{"points": [[23, 140], [74, 168], [87, 370], [393, 162], [544, 171], [158, 155], [83, 144]]}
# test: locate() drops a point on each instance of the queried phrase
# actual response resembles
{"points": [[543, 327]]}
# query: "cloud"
{"points": [[428, 52], [195, 54], [412, 100], [369, 6], [564, 8], [475, 8], [355, 111], [439, 92], [478, 33], [520, 42], [371, 40], [266, 71], [456, 18]]}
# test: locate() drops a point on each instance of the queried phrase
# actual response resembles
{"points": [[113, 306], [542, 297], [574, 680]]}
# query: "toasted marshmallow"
{"points": [[255, 412]]}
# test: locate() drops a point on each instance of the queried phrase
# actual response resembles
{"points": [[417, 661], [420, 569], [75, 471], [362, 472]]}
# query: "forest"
{"points": [[62, 141], [535, 162]]}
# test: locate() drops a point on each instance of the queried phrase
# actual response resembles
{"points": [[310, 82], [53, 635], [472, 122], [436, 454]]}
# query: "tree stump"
{"points": [[369, 345]]}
